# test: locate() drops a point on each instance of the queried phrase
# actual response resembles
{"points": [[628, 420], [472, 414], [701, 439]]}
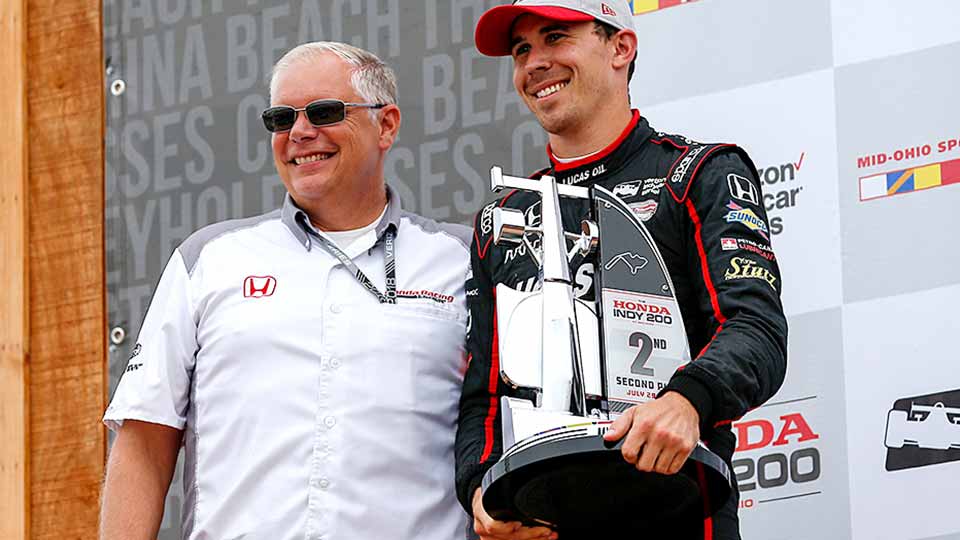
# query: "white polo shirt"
{"points": [[310, 409]]}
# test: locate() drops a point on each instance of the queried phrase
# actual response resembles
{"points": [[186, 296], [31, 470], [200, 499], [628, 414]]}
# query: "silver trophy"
{"points": [[584, 363]]}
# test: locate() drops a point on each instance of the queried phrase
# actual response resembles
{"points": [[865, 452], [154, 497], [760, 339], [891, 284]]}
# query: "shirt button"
{"points": [[329, 421], [335, 363], [336, 308], [324, 483]]}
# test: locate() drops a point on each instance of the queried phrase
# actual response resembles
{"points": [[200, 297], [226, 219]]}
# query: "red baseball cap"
{"points": [[492, 36]]}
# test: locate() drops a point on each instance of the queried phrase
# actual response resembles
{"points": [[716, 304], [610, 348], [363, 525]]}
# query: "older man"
{"points": [[310, 359], [572, 60]]}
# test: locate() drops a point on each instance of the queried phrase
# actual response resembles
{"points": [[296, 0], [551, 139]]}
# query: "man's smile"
{"points": [[312, 157], [550, 90]]}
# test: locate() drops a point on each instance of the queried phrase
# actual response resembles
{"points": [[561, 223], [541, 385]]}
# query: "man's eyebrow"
{"points": [[514, 40], [554, 28]]}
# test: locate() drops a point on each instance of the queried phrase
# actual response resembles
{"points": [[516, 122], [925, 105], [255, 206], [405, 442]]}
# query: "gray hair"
{"points": [[371, 78]]}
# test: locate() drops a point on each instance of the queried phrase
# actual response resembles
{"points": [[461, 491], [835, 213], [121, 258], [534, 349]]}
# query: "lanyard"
{"points": [[389, 264]]}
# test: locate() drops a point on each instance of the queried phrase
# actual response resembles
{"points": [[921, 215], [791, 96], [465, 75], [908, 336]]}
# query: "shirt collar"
{"points": [[298, 222]]}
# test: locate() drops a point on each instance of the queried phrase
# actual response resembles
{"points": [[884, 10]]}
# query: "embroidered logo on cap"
{"points": [[607, 10]]}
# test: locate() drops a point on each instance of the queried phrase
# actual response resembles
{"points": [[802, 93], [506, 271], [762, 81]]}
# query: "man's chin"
{"points": [[311, 187], [553, 123]]}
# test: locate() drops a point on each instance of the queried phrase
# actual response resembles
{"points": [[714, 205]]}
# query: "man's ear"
{"points": [[625, 48], [389, 126]]}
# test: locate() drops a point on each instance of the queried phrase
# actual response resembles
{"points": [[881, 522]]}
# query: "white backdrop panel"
{"points": [[895, 114], [895, 348], [868, 29], [714, 45]]}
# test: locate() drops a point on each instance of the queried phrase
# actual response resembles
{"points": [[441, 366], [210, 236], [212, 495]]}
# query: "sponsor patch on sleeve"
{"points": [[743, 189], [745, 244], [747, 218], [747, 268]]}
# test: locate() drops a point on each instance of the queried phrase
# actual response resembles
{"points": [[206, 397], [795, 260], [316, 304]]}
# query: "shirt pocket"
{"points": [[420, 359], [426, 308]]}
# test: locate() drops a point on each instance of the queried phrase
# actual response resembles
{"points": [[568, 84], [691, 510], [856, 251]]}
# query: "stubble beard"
{"points": [[557, 122]]}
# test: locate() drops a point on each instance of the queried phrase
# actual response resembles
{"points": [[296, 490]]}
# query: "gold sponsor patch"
{"points": [[746, 268]]}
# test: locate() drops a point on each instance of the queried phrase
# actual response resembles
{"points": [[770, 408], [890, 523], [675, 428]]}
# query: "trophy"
{"points": [[584, 363]]}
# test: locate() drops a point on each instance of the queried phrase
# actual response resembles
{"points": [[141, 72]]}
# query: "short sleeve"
{"points": [[155, 386]]}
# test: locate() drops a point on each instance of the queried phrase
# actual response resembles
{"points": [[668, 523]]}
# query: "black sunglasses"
{"points": [[321, 112]]}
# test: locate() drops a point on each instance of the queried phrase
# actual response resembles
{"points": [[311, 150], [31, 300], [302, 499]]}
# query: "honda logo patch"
{"points": [[743, 189], [259, 286]]}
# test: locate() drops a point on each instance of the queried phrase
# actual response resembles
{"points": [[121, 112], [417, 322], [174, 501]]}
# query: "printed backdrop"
{"points": [[846, 106]]}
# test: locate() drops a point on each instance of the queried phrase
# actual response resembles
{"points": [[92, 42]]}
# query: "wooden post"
{"points": [[14, 329], [68, 365]]}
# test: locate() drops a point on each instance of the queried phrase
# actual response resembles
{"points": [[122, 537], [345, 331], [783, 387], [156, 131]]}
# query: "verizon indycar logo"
{"points": [[639, 7], [780, 190], [778, 454], [641, 187], [923, 430]]}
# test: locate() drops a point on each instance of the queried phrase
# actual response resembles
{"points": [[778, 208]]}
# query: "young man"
{"points": [[702, 204], [310, 359]]}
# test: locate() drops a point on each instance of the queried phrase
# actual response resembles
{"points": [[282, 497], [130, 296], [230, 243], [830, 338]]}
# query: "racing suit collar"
{"points": [[606, 160]]}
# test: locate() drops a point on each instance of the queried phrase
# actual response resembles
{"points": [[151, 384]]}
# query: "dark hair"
{"points": [[607, 31]]}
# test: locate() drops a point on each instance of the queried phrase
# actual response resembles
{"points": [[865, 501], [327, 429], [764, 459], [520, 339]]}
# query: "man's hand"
{"points": [[660, 434], [491, 529]]}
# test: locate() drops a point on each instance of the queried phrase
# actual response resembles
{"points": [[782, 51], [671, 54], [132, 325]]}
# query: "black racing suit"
{"points": [[702, 204]]}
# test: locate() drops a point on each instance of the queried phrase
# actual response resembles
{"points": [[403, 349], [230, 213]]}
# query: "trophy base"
{"points": [[582, 483]]}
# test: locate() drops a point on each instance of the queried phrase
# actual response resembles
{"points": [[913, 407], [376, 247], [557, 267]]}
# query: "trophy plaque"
{"points": [[585, 363]]}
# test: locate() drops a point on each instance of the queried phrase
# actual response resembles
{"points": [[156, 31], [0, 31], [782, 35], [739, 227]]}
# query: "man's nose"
{"points": [[538, 59], [302, 129]]}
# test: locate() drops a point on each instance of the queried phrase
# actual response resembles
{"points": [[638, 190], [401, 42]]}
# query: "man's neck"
{"points": [[592, 136], [339, 213]]}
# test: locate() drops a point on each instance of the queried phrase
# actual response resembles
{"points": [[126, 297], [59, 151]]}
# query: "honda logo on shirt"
{"points": [[259, 286], [742, 189]]}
